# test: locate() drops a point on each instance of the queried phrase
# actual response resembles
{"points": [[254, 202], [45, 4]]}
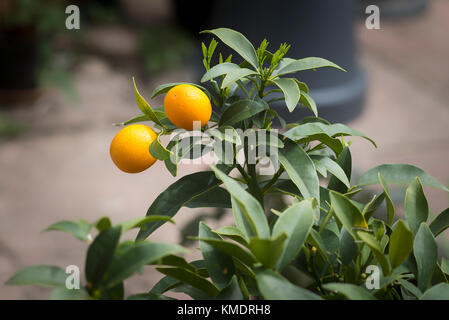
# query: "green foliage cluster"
{"points": [[318, 247]]}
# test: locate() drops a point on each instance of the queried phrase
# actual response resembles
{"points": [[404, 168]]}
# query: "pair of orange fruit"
{"points": [[183, 104]]}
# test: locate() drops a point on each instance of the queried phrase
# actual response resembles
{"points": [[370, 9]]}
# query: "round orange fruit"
{"points": [[130, 148], [184, 104]]}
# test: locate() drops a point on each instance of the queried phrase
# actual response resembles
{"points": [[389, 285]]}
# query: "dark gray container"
{"points": [[321, 28]]}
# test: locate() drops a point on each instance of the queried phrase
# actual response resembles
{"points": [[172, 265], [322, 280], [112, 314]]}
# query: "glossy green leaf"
{"points": [[139, 118], [376, 249], [445, 265], [440, 223], [241, 110], [437, 292], [231, 249], [145, 107], [401, 244], [344, 160], [333, 167], [234, 233], [348, 248], [163, 88], [215, 198], [273, 286], [416, 209], [231, 292], [79, 229], [389, 202], [219, 264], [402, 174], [158, 151], [296, 222], [267, 251], [290, 90], [137, 256], [102, 224], [39, 275], [425, 250], [176, 195], [247, 204], [100, 254], [219, 70], [175, 261], [300, 169], [348, 214], [141, 222], [410, 287], [235, 75], [306, 64], [238, 42], [350, 291], [165, 284], [333, 130], [191, 278], [308, 102]]}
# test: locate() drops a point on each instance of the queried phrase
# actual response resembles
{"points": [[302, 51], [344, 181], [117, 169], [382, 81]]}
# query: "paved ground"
{"points": [[61, 168]]}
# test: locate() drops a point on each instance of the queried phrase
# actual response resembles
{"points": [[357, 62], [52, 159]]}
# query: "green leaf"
{"points": [[308, 102], [141, 222], [145, 107], [306, 64], [332, 130], [176, 195], [416, 209], [215, 198], [437, 292], [158, 151], [296, 222], [69, 294], [247, 204], [290, 90], [344, 160], [348, 248], [410, 287], [273, 286], [165, 284], [402, 174], [425, 250], [137, 256], [148, 296], [79, 229], [389, 202], [231, 292], [192, 279], [267, 251], [236, 75], [176, 261], [39, 275], [231, 249], [348, 214], [241, 110], [300, 169], [219, 70], [376, 249], [401, 244], [238, 42], [234, 233], [180, 149], [445, 265], [139, 118], [350, 291], [99, 255], [163, 88], [333, 168], [219, 264], [440, 223], [102, 224]]}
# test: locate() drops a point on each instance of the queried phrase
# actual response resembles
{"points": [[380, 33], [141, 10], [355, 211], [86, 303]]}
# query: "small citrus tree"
{"points": [[324, 245]]}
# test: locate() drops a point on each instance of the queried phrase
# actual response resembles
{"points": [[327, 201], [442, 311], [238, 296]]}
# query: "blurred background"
{"points": [[61, 91]]}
